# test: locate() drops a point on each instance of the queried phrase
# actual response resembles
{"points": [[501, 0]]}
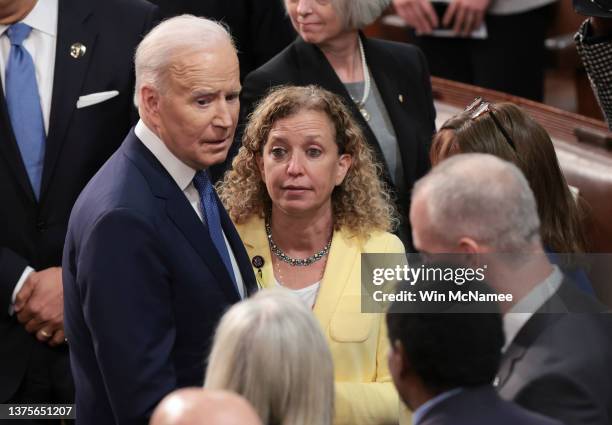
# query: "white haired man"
{"points": [[197, 406], [554, 364], [152, 260]]}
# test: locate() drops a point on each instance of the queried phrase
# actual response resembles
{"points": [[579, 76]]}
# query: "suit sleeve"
{"points": [[12, 266], [125, 291], [562, 398], [376, 402]]}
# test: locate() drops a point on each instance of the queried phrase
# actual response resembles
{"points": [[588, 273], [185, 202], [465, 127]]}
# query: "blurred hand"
{"points": [[39, 305], [601, 26], [465, 15], [419, 14]]}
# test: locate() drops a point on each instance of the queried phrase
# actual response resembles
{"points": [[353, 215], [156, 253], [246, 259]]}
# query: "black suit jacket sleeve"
{"points": [[11, 268]]}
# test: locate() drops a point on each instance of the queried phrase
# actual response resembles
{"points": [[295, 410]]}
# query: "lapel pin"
{"points": [[77, 50], [257, 261], [401, 98]]}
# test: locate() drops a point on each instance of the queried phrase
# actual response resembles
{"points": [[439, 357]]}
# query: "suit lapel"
{"points": [[10, 151], [180, 211], [544, 317], [379, 63], [512, 355], [244, 264], [253, 235], [73, 27], [343, 257]]}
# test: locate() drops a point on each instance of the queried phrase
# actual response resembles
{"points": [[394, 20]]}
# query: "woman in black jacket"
{"points": [[385, 84]]}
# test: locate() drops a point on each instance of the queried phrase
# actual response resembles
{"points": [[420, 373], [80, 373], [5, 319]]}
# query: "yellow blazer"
{"points": [[365, 394]]}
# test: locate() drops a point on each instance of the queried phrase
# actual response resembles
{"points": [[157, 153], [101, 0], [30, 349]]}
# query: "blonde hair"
{"points": [[361, 204], [270, 350]]}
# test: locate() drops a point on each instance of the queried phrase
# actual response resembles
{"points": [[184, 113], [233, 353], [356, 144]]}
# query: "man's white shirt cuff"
{"points": [[18, 287]]}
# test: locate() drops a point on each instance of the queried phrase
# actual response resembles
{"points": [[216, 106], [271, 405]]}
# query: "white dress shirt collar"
{"points": [[43, 17], [424, 408], [183, 175], [180, 172], [521, 312]]}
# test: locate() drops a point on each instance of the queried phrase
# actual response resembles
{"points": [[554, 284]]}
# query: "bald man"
{"points": [[196, 406]]}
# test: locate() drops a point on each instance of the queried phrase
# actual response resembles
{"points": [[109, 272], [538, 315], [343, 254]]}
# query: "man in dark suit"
{"points": [[260, 28], [556, 360], [443, 364], [152, 259], [65, 106]]}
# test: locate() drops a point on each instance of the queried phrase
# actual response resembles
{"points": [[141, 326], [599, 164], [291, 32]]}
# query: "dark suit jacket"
{"points": [[260, 28], [559, 363], [481, 406], [398, 70], [144, 288], [79, 141]]}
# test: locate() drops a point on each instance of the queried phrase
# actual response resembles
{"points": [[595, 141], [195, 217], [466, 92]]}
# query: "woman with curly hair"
{"points": [[385, 85], [307, 201]]}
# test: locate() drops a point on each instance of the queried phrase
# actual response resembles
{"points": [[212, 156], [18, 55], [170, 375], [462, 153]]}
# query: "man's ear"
{"points": [[149, 100], [468, 246], [398, 362]]}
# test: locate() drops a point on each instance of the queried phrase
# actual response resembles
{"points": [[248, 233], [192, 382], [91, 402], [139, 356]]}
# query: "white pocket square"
{"points": [[94, 98]]}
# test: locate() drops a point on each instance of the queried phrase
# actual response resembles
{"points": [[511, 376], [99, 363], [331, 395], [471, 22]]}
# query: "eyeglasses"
{"points": [[479, 107]]}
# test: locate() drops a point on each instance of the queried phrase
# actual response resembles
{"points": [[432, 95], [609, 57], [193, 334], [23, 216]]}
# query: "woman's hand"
{"points": [[419, 14]]}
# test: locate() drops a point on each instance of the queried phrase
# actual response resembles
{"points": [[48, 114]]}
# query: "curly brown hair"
{"points": [[533, 153], [361, 204]]}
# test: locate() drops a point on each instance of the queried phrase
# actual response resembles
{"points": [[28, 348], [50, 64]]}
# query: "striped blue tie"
{"points": [[23, 102], [210, 209]]}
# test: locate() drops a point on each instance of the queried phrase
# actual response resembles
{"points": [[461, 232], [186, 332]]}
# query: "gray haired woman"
{"points": [[385, 84], [270, 350]]}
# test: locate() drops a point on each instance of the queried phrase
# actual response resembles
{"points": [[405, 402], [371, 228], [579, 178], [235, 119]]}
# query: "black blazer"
{"points": [[481, 406], [79, 141], [260, 28], [559, 362], [144, 288], [402, 77]]}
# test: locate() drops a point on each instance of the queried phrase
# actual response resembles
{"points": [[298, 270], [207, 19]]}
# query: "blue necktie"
{"points": [[23, 102], [210, 208]]}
